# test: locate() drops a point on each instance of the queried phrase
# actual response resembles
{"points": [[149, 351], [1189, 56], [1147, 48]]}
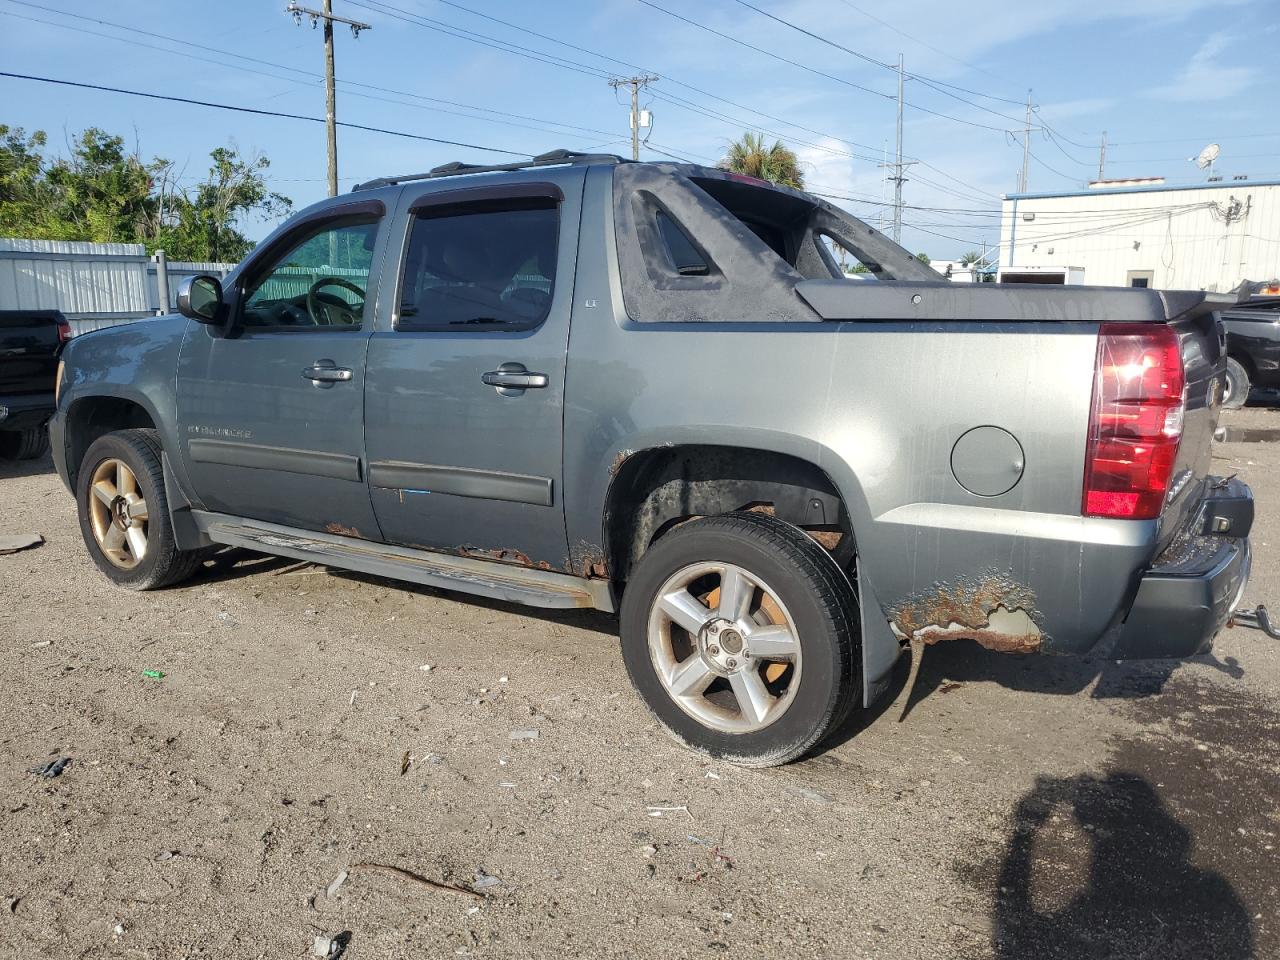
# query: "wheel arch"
{"points": [[94, 416], [654, 489]]}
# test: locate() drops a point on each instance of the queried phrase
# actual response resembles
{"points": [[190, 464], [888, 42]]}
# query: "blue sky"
{"points": [[1162, 77]]}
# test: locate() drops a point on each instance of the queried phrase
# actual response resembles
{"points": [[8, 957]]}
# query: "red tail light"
{"points": [[64, 331], [1136, 421]]}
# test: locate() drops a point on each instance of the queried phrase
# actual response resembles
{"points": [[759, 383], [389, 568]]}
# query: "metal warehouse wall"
{"points": [[1199, 238], [93, 284]]}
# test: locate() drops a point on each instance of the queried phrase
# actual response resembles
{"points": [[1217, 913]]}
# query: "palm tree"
{"points": [[777, 164], [970, 258]]}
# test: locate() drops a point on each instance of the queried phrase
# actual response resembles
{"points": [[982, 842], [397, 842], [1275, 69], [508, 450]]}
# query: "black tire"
{"points": [[163, 563], [812, 588], [28, 444], [1236, 394]]}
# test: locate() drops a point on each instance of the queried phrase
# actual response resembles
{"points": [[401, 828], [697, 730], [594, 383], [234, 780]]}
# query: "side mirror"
{"points": [[200, 298]]}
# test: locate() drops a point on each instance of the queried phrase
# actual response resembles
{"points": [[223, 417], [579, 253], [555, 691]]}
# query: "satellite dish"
{"points": [[1209, 154]]}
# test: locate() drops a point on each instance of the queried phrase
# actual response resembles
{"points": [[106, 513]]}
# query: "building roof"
{"points": [[1158, 188]]}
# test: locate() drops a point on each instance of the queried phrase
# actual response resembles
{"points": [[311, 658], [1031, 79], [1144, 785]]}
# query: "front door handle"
{"points": [[325, 373], [512, 379]]}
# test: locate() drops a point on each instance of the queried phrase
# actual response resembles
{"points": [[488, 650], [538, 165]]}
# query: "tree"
{"points": [[970, 258], [777, 163], [99, 192], [200, 224], [923, 258]]}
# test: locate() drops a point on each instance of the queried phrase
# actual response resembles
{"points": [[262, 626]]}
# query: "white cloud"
{"points": [[1204, 78]]}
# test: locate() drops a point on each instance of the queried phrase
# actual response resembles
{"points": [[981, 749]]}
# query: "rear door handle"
{"points": [[325, 373], [512, 379]]}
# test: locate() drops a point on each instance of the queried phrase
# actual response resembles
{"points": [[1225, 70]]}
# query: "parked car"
{"points": [[1253, 348], [30, 342], [645, 388]]}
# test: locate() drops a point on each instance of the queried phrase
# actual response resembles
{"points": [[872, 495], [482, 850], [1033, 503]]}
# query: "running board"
{"points": [[487, 578]]}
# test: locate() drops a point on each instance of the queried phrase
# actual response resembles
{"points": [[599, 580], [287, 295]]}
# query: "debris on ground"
{"points": [[415, 878], [164, 855], [331, 946], [227, 619], [336, 885], [663, 811], [153, 674], [11, 904], [524, 734], [20, 541], [949, 686], [807, 793], [405, 763], [426, 668], [485, 880], [53, 768]]}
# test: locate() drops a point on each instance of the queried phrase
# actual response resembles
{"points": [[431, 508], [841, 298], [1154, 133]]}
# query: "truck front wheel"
{"points": [[124, 514], [741, 635]]}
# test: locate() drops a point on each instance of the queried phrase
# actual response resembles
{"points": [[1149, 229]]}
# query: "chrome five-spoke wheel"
{"points": [[118, 513], [724, 647], [740, 633]]}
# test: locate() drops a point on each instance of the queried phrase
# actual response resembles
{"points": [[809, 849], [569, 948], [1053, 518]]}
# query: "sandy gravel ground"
{"points": [[1025, 808]]}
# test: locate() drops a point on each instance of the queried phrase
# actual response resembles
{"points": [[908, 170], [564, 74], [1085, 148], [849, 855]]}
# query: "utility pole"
{"points": [[636, 84], [897, 179], [1026, 148], [330, 98], [1102, 158], [899, 165]]}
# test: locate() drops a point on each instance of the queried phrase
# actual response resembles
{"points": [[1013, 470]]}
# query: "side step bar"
{"points": [[486, 578]]}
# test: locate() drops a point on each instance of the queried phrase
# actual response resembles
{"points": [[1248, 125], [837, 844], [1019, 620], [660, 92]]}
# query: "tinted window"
{"points": [[320, 281], [684, 255], [480, 268]]}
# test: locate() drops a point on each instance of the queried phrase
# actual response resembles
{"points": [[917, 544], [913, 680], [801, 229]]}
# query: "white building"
{"points": [[1145, 233]]}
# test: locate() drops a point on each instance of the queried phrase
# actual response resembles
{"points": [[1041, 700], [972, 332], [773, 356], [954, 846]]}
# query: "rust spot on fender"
{"points": [[339, 530], [992, 609], [621, 458]]}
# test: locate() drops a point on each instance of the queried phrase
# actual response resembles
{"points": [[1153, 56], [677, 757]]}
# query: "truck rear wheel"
{"points": [[124, 514], [1236, 393], [24, 444], [741, 635]]}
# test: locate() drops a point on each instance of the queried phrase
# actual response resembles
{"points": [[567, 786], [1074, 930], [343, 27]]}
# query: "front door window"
{"points": [[320, 281]]}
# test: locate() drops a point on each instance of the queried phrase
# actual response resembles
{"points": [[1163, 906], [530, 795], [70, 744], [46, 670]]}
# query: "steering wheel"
{"points": [[320, 308]]}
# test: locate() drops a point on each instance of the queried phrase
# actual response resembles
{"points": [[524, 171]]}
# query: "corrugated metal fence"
{"points": [[94, 284]]}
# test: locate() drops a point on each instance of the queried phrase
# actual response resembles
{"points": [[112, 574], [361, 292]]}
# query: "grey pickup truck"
{"points": [[647, 388]]}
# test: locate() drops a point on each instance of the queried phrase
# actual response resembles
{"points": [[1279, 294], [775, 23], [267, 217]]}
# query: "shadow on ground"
{"points": [[1139, 895], [947, 666], [10, 469], [1168, 853]]}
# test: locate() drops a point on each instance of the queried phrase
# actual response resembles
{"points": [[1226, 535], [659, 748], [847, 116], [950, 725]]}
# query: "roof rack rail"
{"points": [[457, 168]]}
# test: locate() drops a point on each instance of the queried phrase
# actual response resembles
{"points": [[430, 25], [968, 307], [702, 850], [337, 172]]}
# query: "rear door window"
{"points": [[482, 267]]}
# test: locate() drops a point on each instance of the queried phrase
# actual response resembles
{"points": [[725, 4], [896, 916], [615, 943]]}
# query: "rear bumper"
{"points": [[25, 410], [1186, 597]]}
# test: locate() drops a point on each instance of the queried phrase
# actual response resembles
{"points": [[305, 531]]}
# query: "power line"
{"points": [[186, 54], [936, 85], [928, 46], [519, 50], [667, 77], [259, 112], [767, 53]]}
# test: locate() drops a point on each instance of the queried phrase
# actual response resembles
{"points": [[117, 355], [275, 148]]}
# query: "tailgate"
{"points": [[30, 341], [1195, 318]]}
